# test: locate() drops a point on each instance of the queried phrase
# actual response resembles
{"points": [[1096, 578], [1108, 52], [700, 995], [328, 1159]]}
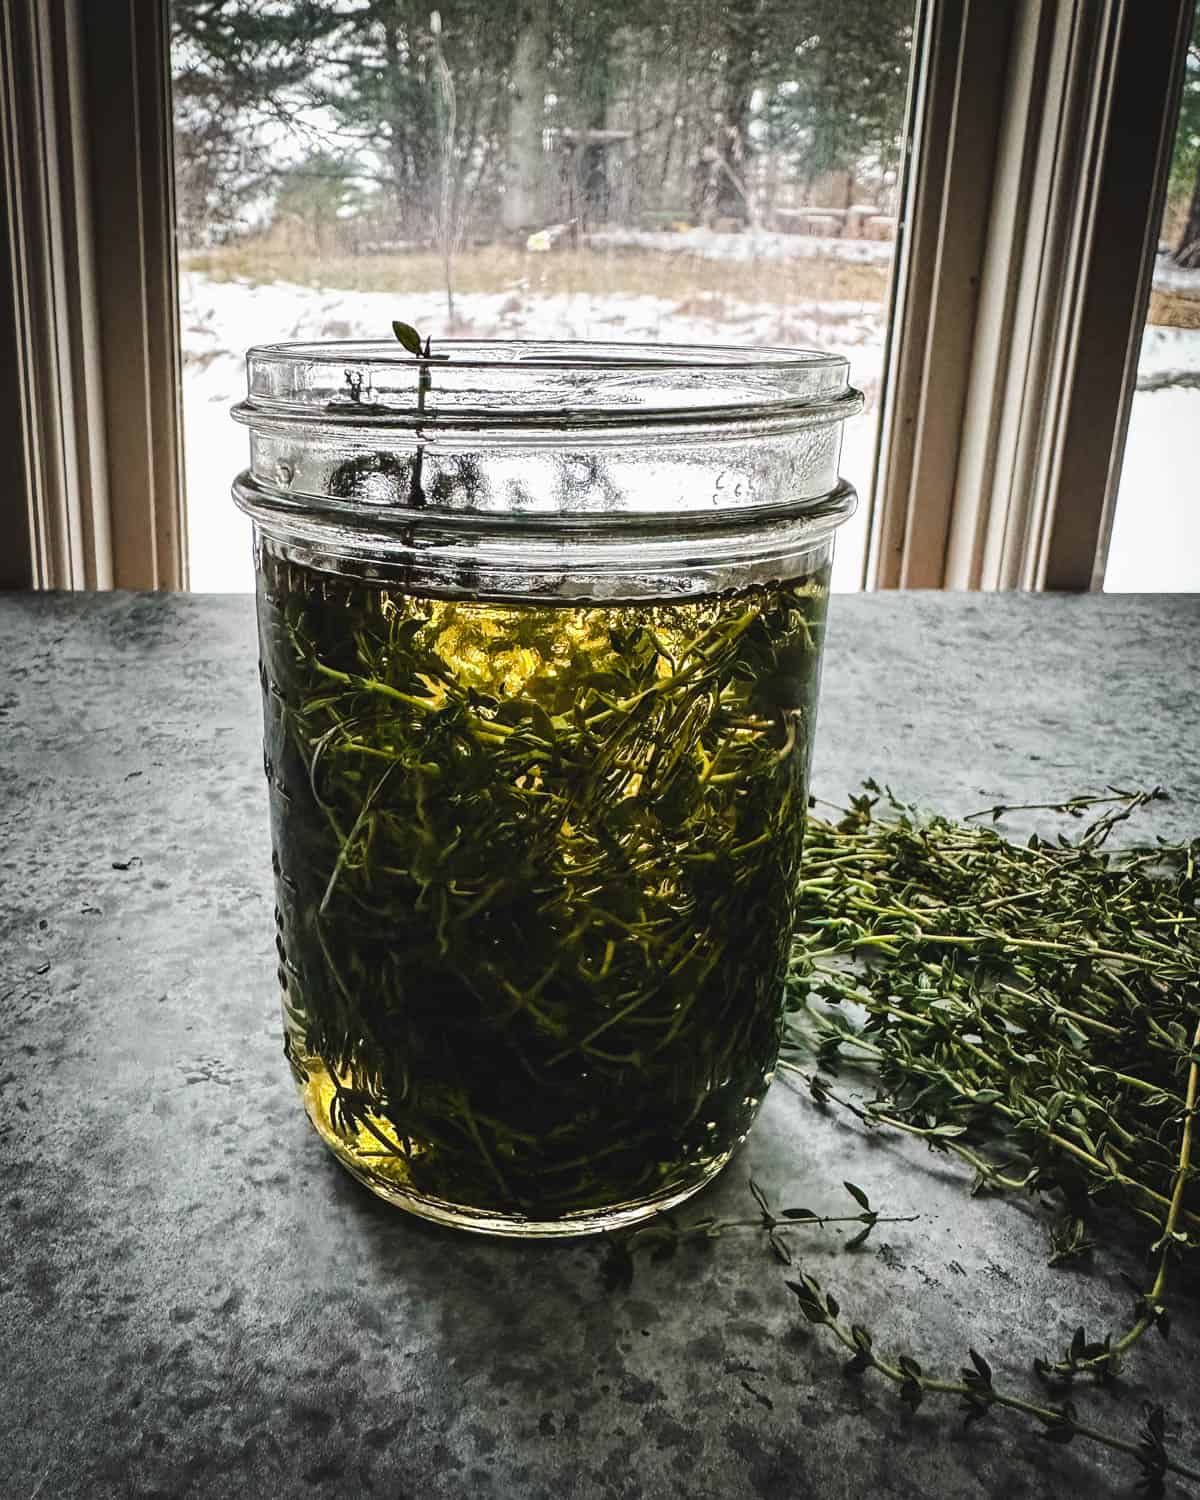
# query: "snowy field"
{"points": [[1156, 533], [1155, 546], [221, 319], [710, 244]]}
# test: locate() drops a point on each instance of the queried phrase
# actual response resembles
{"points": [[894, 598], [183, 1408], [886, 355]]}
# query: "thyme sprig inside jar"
{"points": [[540, 631]]}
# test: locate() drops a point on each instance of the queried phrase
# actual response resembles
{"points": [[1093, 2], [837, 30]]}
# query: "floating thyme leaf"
{"points": [[348, 473], [408, 336]]}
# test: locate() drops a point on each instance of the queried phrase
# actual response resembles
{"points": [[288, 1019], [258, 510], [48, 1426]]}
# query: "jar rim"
{"points": [[528, 384], [576, 354], [565, 468]]}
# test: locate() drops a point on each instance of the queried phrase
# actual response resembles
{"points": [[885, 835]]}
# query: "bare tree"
{"points": [[449, 230], [1187, 251], [522, 205], [1185, 158]]}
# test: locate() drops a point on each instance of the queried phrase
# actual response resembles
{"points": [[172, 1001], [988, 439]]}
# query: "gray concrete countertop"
{"points": [[195, 1300]]}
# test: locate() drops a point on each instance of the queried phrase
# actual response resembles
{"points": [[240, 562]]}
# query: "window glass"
{"points": [[683, 170], [1155, 541]]}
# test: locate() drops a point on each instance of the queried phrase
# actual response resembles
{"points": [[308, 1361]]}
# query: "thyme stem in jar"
{"points": [[541, 865], [410, 339]]}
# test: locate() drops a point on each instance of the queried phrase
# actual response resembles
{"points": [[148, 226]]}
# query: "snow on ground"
{"points": [[1169, 349], [1156, 532], [714, 244], [1169, 277], [221, 319], [1155, 545]]}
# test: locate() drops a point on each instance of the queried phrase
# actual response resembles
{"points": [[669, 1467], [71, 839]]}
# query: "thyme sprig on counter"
{"points": [[1032, 1009], [661, 1238], [978, 1393]]}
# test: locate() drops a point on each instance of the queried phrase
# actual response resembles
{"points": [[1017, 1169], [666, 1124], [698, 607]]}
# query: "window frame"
{"points": [[1015, 349], [1012, 335], [92, 481], [128, 68]]}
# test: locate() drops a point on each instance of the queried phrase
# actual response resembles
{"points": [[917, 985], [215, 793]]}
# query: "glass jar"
{"points": [[540, 630]]}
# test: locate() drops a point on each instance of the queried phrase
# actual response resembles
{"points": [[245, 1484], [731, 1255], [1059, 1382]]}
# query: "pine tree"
{"points": [[841, 100], [378, 78], [1184, 184], [237, 68]]}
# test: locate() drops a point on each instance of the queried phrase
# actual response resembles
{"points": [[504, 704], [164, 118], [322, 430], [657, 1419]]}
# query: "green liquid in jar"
{"points": [[535, 872]]}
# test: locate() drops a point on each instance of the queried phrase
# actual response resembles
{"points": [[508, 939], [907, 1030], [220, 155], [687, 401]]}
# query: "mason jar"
{"points": [[540, 629]]}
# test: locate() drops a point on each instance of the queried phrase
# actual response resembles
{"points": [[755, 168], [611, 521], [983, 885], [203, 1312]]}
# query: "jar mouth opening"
{"points": [[554, 354], [493, 383]]}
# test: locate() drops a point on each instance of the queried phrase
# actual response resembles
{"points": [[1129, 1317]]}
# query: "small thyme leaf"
{"points": [[911, 1393], [760, 1198], [408, 336], [1069, 1240]]}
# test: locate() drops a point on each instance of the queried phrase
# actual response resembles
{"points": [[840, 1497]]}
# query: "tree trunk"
{"points": [[521, 205], [1187, 252], [593, 159], [742, 41]]}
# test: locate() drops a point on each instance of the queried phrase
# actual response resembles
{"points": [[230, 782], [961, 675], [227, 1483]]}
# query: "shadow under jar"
{"points": [[540, 630]]}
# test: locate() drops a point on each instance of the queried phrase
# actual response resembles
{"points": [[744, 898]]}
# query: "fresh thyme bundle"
{"points": [[536, 880], [1033, 1009]]}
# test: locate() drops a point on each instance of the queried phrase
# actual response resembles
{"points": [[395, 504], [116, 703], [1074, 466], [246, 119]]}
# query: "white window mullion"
{"points": [[90, 439], [1045, 165], [959, 109], [125, 46], [1119, 238], [1003, 460], [46, 263]]}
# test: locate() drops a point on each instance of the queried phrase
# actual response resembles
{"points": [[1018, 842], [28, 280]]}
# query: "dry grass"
{"points": [[1174, 310], [498, 268]]}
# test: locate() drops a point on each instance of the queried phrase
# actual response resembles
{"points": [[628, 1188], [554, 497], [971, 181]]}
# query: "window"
{"points": [[687, 172], [1155, 543], [983, 254]]}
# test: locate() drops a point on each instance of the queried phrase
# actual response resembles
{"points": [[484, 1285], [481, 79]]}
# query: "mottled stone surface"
{"points": [[196, 1300]]}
